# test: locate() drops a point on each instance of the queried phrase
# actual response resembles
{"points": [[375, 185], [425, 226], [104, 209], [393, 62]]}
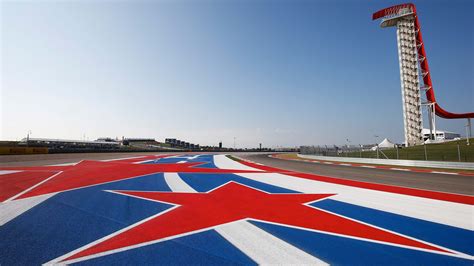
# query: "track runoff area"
{"points": [[216, 209]]}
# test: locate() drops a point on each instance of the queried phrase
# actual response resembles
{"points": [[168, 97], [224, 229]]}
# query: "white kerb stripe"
{"points": [[400, 169], [256, 243], [223, 162]]}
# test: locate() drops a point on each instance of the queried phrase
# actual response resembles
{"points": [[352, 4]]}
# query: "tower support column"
{"points": [[410, 85]]}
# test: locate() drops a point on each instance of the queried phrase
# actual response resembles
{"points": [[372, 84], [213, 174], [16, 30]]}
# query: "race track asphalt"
{"points": [[437, 182]]}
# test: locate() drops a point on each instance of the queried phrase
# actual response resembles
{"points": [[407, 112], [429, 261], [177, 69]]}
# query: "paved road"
{"points": [[438, 182]]}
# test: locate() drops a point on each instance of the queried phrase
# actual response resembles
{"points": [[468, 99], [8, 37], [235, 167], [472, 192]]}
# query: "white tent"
{"points": [[386, 144]]}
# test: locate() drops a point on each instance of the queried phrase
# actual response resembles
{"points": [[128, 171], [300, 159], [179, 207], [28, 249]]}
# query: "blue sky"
{"points": [[278, 72]]}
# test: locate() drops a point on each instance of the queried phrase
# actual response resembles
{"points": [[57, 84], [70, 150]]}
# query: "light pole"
{"points": [[468, 130], [28, 137], [377, 145], [347, 145]]}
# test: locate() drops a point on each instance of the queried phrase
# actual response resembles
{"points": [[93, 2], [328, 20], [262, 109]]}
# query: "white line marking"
{"points": [[145, 161], [400, 169], [32, 187], [444, 173], [64, 164], [345, 164], [367, 166], [120, 159], [263, 247], [193, 157], [7, 172], [177, 184]]}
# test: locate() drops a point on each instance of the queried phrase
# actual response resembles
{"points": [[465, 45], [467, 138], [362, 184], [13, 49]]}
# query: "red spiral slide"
{"points": [[391, 11]]}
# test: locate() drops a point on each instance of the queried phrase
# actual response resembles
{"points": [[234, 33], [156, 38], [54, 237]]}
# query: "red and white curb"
{"points": [[384, 167]]}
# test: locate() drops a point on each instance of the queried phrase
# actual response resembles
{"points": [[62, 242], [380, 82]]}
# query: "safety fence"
{"points": [[455, 152], [405, 163]]}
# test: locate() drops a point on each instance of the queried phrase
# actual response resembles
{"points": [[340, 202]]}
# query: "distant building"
{"points": [[180, 143], [140, 139], [440, 135], [69, 143], [170, 141], [107, 140]]}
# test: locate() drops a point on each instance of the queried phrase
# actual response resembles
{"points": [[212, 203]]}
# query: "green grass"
{"points": [[447, 151], [233, 158]]}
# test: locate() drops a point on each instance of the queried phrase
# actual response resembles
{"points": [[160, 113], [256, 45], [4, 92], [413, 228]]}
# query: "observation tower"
{"points": [[413, 64]]}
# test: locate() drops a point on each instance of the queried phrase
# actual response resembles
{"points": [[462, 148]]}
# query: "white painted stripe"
{"points": [[11, 209], [444, 173], [182, 161], [367, 166], [177, 184], [263, 247], [438, 211], [145, 161], [222, 162], [32, 187], [259, 245], [119, 159], [6, 172], [345, 164], [400, 169], [193, 157], [64, 164]]}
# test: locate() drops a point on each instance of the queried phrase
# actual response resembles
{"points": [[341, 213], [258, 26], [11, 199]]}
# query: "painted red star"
{"points": [[195, 212]]}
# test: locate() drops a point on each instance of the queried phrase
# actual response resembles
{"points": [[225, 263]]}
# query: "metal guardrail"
{"points": [[429, 164]]}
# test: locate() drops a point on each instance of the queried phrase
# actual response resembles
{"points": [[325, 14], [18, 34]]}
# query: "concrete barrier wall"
{"points": [[429, 164]]}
